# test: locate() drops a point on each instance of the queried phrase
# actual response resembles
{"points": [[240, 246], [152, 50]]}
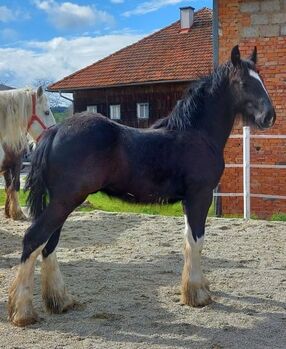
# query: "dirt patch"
{"points": [[125, 269]]}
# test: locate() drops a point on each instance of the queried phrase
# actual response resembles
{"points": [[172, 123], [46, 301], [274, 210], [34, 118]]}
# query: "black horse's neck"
{"points": [[218, 116], [206, 107]]}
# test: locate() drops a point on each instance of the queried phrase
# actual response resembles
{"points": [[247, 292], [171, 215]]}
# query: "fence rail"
{"points": [[247, 166]]}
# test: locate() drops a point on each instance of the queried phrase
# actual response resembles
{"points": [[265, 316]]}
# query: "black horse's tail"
{"points": [[35, 183]]}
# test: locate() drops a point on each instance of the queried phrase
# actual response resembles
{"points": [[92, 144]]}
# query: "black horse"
{"points": [[179, 159]]}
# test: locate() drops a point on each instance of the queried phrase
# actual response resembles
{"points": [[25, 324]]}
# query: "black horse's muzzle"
{"points": [[263, 113], [266, 119]]}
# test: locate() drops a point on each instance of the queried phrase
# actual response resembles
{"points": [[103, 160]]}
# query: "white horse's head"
{"points": [[42, 117]]}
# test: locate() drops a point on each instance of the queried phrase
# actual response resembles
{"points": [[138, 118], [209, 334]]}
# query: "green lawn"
{"points": [[2, 197], [102, 202], [59, 117]]}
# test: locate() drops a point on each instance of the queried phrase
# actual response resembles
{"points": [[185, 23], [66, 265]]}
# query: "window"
{"points": [[142, 110], [92, 108], [114, 112]]}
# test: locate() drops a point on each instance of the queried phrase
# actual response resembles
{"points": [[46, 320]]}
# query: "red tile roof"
{"points": [[167, 55]]}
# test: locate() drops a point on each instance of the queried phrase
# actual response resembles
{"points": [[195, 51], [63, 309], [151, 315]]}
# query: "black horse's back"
{"points": [[83, 135]]}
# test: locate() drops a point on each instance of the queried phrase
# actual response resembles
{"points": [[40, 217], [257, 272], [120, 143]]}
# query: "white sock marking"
{"points": [[51, 274], [196, 248]]}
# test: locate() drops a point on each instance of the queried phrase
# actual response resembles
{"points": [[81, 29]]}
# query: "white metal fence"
{"points": [[246, 165]]}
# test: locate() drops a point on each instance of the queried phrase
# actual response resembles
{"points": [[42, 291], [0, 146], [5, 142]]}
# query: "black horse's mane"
{"points": [[189, 111]]}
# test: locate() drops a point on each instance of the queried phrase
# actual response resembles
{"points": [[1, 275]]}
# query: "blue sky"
{"points": [[45, 40]]}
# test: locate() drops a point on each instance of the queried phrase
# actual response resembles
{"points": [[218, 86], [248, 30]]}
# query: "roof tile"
{"points": [[167, 55]]}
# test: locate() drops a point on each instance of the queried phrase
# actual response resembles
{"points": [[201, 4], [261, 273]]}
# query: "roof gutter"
{"points": [[72, 89], [215, 28]]}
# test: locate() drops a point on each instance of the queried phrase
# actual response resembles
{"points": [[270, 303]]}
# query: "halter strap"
{"points": [[34, 118]]}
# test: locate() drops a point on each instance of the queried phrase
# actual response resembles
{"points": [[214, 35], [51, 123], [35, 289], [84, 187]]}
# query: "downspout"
{"points": [[215, 26], [64, 97], [217, 199], [68, 99]]}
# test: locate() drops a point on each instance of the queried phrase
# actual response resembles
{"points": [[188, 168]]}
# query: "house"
{"points": [[143, 82], [260, 23]]}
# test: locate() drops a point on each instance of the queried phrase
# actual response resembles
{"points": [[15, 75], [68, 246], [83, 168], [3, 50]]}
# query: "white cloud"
{"points": [[150, 6], [8, 34], [6, 15], [52, 60], [69, 15]]}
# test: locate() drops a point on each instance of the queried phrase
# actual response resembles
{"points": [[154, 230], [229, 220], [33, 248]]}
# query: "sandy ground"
{"points": [[125, 270]]}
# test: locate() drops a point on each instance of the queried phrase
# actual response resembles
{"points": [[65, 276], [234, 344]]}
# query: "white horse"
{"points": [[22, 111]]}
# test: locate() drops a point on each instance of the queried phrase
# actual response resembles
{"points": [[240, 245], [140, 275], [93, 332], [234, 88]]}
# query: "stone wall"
{"points": [[267, 18], [261, 24]]}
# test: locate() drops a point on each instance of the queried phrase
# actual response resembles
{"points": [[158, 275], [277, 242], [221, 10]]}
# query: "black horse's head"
{"points": [[249, 92]]}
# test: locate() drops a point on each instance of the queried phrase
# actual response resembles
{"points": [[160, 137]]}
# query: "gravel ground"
{"points": [[125, 270]]}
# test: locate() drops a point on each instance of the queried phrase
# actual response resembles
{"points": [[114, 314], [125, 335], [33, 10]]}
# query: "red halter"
{"points": [[35, 117]]}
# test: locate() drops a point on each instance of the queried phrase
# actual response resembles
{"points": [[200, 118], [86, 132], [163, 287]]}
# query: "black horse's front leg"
{"points": [[195, 287]]}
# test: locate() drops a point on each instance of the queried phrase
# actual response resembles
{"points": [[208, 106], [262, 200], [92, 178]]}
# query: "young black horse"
{"points": [[180, 158]]}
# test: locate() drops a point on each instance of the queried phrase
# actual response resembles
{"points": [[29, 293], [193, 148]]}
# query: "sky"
{"points": [[46, 40]]}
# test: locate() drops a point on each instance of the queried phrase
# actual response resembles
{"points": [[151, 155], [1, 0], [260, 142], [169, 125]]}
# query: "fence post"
{"points": [[217, 201], [246, 172]]}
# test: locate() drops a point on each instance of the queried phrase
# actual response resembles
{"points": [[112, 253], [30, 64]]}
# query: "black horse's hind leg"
{"points": [[54, 293], [20, 306], [195, 289]]}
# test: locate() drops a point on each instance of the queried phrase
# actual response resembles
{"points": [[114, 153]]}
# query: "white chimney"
{"points": [[187, 17]]}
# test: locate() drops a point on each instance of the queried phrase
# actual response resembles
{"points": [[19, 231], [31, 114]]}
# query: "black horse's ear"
{"points": [[40, 91], [253, 56], [235, 56]]}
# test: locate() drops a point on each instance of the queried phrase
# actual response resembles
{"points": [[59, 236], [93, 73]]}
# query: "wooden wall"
{"points": [[161, 98]]}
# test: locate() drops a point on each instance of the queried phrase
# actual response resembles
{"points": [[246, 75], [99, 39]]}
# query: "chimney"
{"points": [[187, 18]]}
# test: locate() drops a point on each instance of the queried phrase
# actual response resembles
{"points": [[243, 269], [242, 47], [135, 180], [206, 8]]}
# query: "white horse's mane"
{"points": [[15, 110]]}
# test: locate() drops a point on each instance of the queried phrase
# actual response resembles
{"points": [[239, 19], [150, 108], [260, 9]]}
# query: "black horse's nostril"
{"points": [[269, 118]]}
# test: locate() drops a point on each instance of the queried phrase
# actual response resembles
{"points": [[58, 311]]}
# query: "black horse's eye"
{"points": [[47, 112]]}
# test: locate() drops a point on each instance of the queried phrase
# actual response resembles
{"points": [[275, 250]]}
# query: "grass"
{"points": [[3, 196], [279, 217], [59, 117], [102, 202]]}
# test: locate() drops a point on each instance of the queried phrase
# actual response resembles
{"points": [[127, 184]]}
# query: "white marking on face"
{"points": [[257, 77]]}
